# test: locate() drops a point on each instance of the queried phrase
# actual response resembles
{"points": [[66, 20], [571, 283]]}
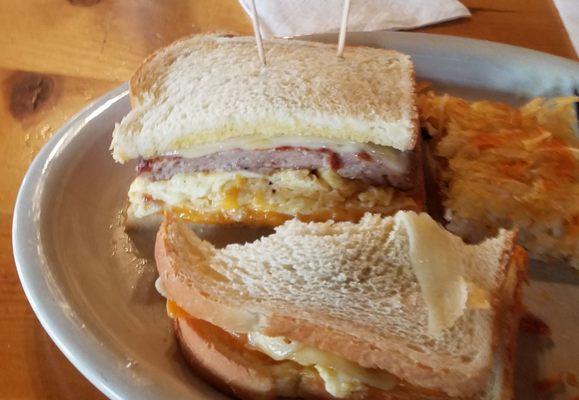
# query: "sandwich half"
{"points": [[219, 138], [386, 308]]}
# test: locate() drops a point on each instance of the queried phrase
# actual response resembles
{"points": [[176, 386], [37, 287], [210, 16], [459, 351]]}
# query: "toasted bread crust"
{"points": [[241, 372], [510, 316], [137, 83], [213, 362], [246, 374]]}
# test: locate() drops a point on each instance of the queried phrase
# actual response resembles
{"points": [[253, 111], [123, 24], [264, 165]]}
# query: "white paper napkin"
{"points": [[569, 12], [303, 17]]}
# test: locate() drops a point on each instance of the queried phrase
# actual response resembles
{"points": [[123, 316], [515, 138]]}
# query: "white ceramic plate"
{"points": [[92, 287]]}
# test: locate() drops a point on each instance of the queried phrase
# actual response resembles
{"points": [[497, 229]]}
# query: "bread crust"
{"points": [[247, 374], [214, 362], [227, 365], [137, 81], [239, 371], [416, 136], [510, 316]]}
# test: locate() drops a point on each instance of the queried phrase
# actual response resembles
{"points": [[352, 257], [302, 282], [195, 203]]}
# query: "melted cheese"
{"points": [[477, 298], [160, 287], [391, 156], [244, 215], [438, 260], [341, 377], [251, 216], [338, 383], [174, 311]]}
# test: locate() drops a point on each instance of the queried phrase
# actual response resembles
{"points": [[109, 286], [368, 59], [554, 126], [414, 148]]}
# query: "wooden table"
{"points": [[57, 55]]}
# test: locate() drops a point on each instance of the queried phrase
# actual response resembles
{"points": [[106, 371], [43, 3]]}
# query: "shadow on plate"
{"points": [[143, 248]]}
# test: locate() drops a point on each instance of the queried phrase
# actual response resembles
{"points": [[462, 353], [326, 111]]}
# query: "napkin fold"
{"points": [[280, 18]]}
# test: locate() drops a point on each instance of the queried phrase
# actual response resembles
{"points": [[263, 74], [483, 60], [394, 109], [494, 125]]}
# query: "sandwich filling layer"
{"points": [[340, 377], [369, 163], [265, 198], [284, 358]]}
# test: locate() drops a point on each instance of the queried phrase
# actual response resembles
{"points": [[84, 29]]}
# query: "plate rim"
{"points": [[27, 263], [464, 44]]}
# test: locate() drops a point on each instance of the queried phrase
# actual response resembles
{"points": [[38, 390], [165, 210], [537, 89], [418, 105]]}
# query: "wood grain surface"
{"points": [[58, 55]]}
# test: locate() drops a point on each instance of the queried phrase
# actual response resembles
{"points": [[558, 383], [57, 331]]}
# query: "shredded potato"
{"points": [[510, 167]]}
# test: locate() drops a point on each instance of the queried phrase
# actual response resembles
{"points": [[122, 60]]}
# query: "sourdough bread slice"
{"points": [[348, 289], [208, 88]]}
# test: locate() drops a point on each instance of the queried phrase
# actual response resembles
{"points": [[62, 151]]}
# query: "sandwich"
{"points": [[221, 139], [499, 166], [389, 307]]}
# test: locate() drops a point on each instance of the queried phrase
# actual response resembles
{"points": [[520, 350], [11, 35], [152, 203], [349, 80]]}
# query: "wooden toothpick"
{"points": [[257, 32], [343, 29]]}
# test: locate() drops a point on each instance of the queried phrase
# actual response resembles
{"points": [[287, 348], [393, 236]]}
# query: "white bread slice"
{"points": [[208, 88], [343, 288]]}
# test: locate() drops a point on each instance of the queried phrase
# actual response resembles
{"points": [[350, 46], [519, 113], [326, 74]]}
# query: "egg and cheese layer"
{"points": [[266, 199]]}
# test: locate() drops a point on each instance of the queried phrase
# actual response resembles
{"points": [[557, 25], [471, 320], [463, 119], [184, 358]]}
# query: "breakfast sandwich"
{"points": [[502, 166], [387, 308], [220, 138]]}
